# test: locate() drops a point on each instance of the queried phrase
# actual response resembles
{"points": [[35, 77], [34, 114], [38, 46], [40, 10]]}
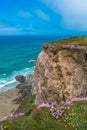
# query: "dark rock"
{"points": [[13, 111], [17, 100], [25, 88], [45, 46], [20, 78]]}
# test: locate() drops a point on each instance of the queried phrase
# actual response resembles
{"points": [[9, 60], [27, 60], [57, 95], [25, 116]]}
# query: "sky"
{"points": [[43, 17]]}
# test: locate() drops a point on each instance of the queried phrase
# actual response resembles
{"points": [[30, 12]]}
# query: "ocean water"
{"points": [[15, 54]]}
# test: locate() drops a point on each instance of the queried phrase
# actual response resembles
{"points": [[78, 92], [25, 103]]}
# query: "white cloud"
{"points": [[2, 24], [42, 15], [73, 12], [24, 14], [5, 28]]}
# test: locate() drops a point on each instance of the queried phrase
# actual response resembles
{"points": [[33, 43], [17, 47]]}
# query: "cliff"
{"points": [[60, 74], [61, 71]]}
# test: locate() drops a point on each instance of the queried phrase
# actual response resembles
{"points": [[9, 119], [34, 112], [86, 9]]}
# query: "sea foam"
{"points": [[9, 82]]}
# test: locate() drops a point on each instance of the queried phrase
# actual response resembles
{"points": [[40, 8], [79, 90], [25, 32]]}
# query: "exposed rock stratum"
{"points": [[61, 71]]}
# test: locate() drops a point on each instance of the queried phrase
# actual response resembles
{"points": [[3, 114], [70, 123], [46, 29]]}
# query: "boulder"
{"points": [[20, 78]]}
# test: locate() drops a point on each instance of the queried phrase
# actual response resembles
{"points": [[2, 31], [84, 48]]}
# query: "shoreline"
{"points": [[7, 104], [6, 85], [10, 100]]}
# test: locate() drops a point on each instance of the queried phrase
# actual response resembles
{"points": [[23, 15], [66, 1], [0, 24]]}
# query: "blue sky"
{"points": [[43, 17]]}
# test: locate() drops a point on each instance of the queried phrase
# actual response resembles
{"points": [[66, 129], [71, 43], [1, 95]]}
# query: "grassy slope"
{"points": [[77, 41], [73, 117], [27, 105]]}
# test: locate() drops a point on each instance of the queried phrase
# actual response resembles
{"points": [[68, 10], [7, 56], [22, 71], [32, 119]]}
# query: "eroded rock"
{"points": [[20, 78], [25, 88], [62, 76]]}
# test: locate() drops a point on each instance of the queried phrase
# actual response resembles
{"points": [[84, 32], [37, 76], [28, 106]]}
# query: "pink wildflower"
{"points": [[44, 105], [12, 116], [80, 99], [4, 118], [21, 114], [69, 103]]}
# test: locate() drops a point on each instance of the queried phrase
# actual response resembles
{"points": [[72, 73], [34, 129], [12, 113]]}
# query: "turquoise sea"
{"points": [[15, 54]]}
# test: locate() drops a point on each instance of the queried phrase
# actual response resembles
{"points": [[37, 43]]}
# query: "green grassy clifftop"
{"points": [[58, 45]]}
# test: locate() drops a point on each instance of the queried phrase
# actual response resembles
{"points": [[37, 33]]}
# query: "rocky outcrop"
{"points": [[20, 78], [62, 75], [24, 87]]}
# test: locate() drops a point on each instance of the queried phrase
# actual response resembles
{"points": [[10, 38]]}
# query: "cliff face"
{"points": [[61, 74]]}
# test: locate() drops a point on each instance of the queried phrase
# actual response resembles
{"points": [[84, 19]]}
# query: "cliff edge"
{"points": [[61, 71]]}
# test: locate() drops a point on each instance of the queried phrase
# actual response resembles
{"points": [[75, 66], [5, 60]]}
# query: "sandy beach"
{"points": [[7, 105]]}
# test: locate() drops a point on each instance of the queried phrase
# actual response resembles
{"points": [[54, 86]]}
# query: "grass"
{"points": [[74, 118], [77, 41], [27, 105]]}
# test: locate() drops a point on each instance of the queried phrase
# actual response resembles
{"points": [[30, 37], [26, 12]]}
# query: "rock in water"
{"points": [[20, 78], [61, 72]]}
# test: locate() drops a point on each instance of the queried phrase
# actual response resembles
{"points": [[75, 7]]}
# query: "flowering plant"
{"points": [[12, 116], [53, 109]]}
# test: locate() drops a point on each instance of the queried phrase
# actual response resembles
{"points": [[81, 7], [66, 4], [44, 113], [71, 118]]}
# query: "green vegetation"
{"points": [[73, 118], [77, 41], [27, 105]]}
